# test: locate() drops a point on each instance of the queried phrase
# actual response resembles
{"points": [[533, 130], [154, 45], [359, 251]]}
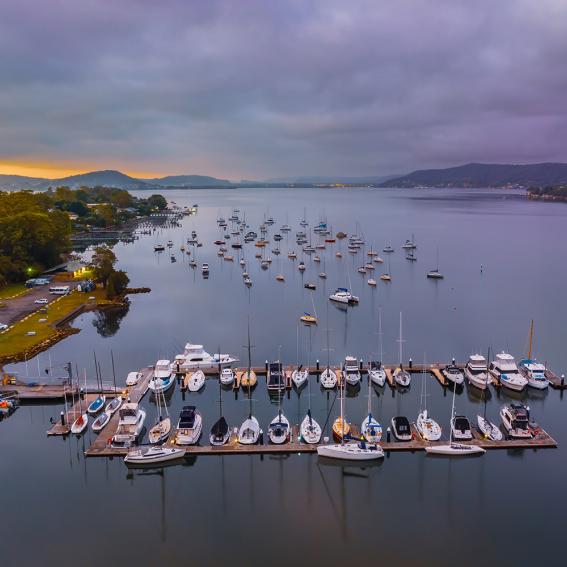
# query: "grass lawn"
{"points": [[10, 290], [17, 340]]}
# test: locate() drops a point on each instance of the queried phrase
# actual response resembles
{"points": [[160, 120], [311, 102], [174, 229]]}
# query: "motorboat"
{"points": [[130, 424], [159, 248], [194, 356], [488, 429], [435, 275], [453, 373], [310, 430], [516, 418], [152, 455], [371, 429], [328, 378], [360, 451], [402, 377], [163, 378], [133, 378], [376, 373], [378, 260], [299, 376], [189, 426], [301, 266], [343, 295], [388, 249], [409, 245], [371, 282], [280, 278], [461, 428], [476, 371], [279, 429], [351, 371], [428, 428], [220, 432], [339, 254], [401, 428], [101, 421], [275, 378], [504, 369], [248, 281], [226, 376], [249, 431], [534, 373], [323, 275], [196, 380], [292, 255], [310, 285]]}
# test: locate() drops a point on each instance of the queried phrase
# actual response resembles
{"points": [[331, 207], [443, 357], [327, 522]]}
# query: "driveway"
{"points": [[15, 309]]}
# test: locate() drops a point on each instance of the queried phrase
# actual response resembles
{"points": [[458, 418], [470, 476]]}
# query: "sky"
{"points": [[257, 89]]}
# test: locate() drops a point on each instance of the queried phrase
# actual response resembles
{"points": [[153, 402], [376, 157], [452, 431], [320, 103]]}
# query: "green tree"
{"points": [[117, 282], [102, 264], [157, 202]]}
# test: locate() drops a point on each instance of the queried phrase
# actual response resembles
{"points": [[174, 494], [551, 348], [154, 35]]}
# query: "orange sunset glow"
{"points": [[55, 171]]}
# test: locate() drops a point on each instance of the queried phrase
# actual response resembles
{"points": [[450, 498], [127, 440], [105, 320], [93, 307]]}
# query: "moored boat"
{"points": [[189, 426], [152, 455]]}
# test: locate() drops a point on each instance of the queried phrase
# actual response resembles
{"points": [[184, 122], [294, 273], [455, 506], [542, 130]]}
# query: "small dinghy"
{"points": [[160, 431], [189, 426], [351, 452], [248, 379], [196, 381], [80, 424], [454, 449], [488, 429], [401, 428], [96, 405], [226, 376], [278, 432], [220, 432], [310, 430], [299, 377], [249, 431], [152, 455], [113, 405], [101, 421], [341, 428]]}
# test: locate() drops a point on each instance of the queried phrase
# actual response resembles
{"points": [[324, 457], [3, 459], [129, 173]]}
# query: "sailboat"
{"points": [[102, 419], [116, 402], [98, 403], [328, 376], [531, 370], [453, 448], [307, 317], [427, 427], [309, 429], [376, 372], [299, 375], [401, 377], [371, 428], [196, 381], [249, 431], [357, 451], [486, 427], [435, 274], [162, 428], [386, 277], [341, 427], [279, 429], [220, 432], [80, 424], [152, 455], [248, 378]]}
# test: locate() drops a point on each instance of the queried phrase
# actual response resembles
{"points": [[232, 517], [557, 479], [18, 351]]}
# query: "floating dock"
{"points": [[541, 441], [31, 391]]}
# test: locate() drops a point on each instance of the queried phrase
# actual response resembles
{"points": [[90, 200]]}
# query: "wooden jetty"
{"points": [[134, 394], [555, 381], [541, 441], [37, 392]]}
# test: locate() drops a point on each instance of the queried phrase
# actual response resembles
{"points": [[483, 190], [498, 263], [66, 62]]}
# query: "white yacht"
{"points": [[163, 378], [351, 371], [534, 373], [279, 429], [453, 373], [476, 371], [515, 418], [428, 428], [226, 376], [189, 426], [505, 370], [310, 430], [343, 295], [377, 373], [461, 428], [130, 424], [194, 357], [151, 455]]}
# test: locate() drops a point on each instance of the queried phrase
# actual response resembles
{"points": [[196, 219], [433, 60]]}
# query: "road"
{"points": [[17, 308]]}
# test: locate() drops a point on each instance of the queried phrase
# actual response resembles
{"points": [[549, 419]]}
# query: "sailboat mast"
{"points": [[452, 415], [531, 340], [400, 340]]}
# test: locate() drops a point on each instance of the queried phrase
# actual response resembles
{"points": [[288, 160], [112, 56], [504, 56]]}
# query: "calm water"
{"points": [[506, 506]]}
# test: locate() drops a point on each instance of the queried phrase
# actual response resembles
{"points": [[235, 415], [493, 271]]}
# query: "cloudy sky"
{"points": [[268, 88]]}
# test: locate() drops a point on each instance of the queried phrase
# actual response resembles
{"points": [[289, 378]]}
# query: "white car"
{"points": [[41, 301], [3, 326]]}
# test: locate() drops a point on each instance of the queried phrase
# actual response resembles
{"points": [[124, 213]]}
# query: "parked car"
{"points": [[3, 326], [41, 301]]}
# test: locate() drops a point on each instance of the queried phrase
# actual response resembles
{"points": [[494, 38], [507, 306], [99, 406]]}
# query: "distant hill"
{"points": [[329, 180], [484, 175], [15, 182], [107, 178], [188, 181]]}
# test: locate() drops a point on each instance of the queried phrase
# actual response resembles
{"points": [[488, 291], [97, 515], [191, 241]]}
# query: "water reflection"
{"points": [[107, 321]]}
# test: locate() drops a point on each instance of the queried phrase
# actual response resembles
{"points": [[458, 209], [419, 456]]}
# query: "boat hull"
{"points": [[455, 450], [140, 456], [350, 452]]}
